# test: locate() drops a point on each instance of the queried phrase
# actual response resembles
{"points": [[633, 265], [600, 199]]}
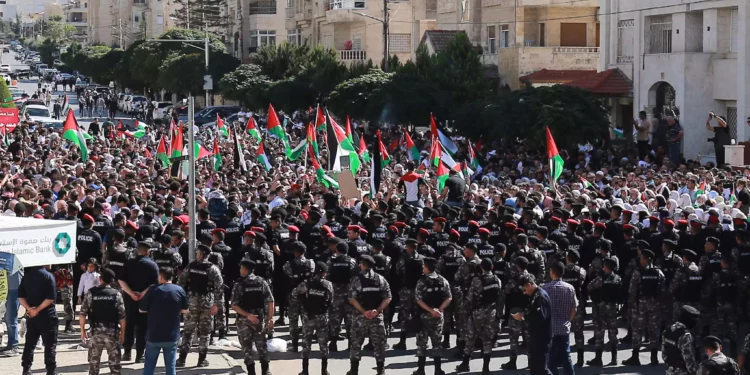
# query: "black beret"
{"points": [[610, 263], [411, 242], [144, 244], [248, 263], [321, 267], [367, 260], [643, 244], [522, 262], [430, 261], [486, 264], [713, 240], [648, 253], [711, 341], [203, 248], [574, 254], [690, 254]]}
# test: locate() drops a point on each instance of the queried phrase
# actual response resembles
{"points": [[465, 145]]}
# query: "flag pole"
{"points": [[191, 178]]}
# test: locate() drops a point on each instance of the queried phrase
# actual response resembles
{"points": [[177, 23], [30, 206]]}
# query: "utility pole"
{"points": [[385, 36], [191, 178], [188, 13], [121, 41], [206, 49]]}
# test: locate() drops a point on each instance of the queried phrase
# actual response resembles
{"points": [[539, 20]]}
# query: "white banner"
{"points": [[37, 242]]}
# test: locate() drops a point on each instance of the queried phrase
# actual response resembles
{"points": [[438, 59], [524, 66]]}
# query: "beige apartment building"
{"points": [[121, 22], [76, 14], [523, 37]]}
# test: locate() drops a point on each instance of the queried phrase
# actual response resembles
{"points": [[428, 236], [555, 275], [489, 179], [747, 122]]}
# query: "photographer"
{"points": [[721, 137]]}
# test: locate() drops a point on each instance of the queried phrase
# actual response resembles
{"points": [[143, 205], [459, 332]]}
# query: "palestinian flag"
{"points": [[199, 151], [411, 148], [320, 119], [252, 129], [217, 155], [73, 133], [353, 137], [138, 133], [435, 153], [344, 149], [587, 184], [161, 152], [6, 136], [376, 167], [65, 104], [363, 153], [263, 158], [436, 133], [394, 145], [700, 191], [177, 142], [442, 175], [384, 157], [312, 139], [296, 152], [421, 169], [273, 125], [239, 155], [732, 200], [320, 174], [221, 127], [473, 161], [555, 161]]}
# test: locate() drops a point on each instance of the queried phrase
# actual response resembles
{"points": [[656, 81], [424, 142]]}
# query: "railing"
{"points": [[262, 7], [353, 55], [346, 4], [624, 59], [575, 50]]}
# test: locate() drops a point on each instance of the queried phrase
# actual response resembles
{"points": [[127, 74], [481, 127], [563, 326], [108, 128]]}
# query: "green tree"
{"points": [[248, 85], [5, 96], [282, 61], [354, 96], [47, 51], [201, 14]]}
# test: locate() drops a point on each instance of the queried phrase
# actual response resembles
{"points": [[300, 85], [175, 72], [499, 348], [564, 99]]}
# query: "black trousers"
{"points": [[642, 149], [135, 327], [538, 358], [44, 326]]}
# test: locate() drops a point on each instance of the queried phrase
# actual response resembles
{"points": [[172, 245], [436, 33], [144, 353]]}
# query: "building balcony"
{"points": [[533, 59], [567, 3], [350, 56], [345, 11]]}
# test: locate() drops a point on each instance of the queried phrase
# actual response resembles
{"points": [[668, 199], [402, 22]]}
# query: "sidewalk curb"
{"points": [[234, 367]]}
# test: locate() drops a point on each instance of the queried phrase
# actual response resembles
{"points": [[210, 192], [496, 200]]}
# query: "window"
{"points": [[659, 34], [491, 47], [294, 36], [732, 121], [139, 1], [262, 38], [542, 35], [573, 35], [357, 43], [159, 20], [399, 42], [262, 7], [625, 40], [504, 36], [136, 18], [734, 30], [346, 4]]}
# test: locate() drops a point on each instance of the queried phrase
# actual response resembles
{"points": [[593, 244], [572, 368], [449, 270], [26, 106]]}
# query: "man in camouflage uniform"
{"points": [[605, 291], [202, 280], [252, 300], [678, 347], [64, 279], [516, 302], [644, 296], [535, 257], [688, 288], [298, 270], [408, 269], [725, 290], [463, 277], [316, 295], [433, 295], [369, 295], [717, 362], [105, 310], [447, 266], [502, 269], [483, 297], [341, 269]]}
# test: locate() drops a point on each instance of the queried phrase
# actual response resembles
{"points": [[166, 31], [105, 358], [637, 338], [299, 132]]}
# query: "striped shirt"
{"points": [[563, 300]]}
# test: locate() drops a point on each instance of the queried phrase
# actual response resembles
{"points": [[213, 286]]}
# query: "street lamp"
{"points": [[191, 141], [384, 21]]}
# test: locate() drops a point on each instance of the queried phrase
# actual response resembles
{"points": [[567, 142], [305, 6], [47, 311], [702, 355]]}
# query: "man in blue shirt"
{"points": [[11, 314], [139, 274], [163, 304], [37, 294], [539, 317]]}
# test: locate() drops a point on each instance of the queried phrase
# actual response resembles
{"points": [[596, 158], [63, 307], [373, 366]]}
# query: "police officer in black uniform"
{"points": [[101, 221], [117, 255], [485, 249], [281, 241], [164, 256], [438, 239], [204, 226], [357, 247]]}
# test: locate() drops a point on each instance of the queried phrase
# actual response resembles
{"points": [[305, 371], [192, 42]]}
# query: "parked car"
{"points": [[208, 114], [5, 68], [39, 114], [182, 113], [160, 109], [122, 104]]}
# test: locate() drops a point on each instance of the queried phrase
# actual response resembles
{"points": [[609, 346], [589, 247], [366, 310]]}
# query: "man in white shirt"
{"points": [[277, 199]]}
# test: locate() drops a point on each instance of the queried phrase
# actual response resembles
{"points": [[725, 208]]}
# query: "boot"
{"points": [[280, 321], [139, 357], [354, 367], [628, 338], [446, 340], [305, 366], [380, 368], [401, 342], [68, 326], [464, 365], [486, 363], [460, 345], [579, 362], [264, 368], [633, 360], [597, 361], [181, 359], [368, 346], [420, 365], [511, 364], [127, 356], [202, 361], [613, 362], [26, 371], [654, 357], [332, 347], [438, 366], [295, 345], [324, 366], [250, 368], [590, 341], [222, 334]]}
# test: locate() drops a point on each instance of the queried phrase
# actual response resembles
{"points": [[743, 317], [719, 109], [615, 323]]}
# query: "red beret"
{"points": [[258, 229], [713, 219], [511, 225], [356, 228], [439, 220], [556, 219], [132, 224], [473, 223], [484, 231], [217, 230], [628, 227], [573, 222], [185, 219], [653, 218], [455, 233], [519, 230], [88, 217], [304, 215], [330, 235], [37, 216], [600, 225], [669, 222], [682, 222], [178, 219], [696, 223], [400, 224], [739, 220], [326, 228], [424, 231], [627, 212], [293, 229], [296, 186], [249, 233], [588, 221], [393, 228], [362, 230]]}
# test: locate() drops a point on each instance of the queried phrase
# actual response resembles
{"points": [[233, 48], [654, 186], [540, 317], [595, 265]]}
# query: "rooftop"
{"points": [[608, 82]]}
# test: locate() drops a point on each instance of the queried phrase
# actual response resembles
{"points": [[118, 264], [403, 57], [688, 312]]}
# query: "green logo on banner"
{"points": [[62, 243]]}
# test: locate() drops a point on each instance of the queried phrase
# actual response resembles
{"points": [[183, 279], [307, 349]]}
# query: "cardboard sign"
{"points": [[347, 185]]}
